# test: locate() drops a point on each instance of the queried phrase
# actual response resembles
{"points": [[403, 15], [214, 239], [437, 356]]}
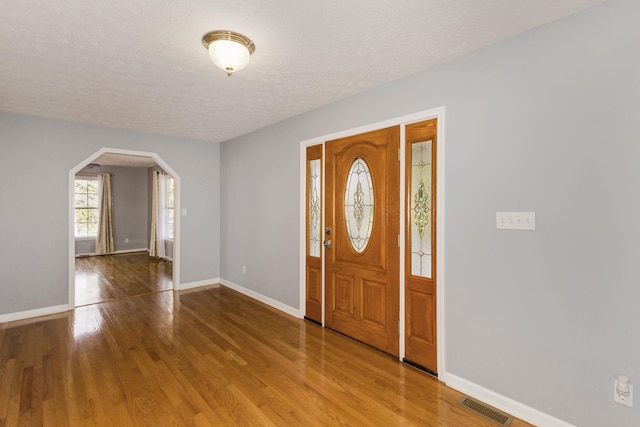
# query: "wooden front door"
{"points": [[362, 223], [420, 244]]}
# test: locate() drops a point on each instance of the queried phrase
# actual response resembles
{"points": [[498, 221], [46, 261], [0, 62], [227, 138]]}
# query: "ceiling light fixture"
{"points": [[228, 50]]}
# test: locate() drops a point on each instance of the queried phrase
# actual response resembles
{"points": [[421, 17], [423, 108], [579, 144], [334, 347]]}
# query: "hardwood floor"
{"points": [[203, 358], [108, 277]]}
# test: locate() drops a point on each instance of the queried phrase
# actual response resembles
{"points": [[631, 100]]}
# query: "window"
{"points": [[87, 206], [358, 204], [169, 208], [313, 195]]}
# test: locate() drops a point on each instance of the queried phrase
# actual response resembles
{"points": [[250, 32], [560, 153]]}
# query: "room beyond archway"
{"points": [[143, 200]]}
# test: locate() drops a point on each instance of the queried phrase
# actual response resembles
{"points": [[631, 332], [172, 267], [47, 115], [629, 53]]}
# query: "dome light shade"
{"points": [[230, 51]]}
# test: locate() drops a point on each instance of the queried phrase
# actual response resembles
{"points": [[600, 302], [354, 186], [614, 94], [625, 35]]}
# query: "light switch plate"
{"points": [[516, 220]]}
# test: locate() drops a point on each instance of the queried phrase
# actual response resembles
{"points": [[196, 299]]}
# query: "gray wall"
{"points": [[129, 196], [130, 208], [168, 249], [36, 276], [548, 121], [85, 246]]}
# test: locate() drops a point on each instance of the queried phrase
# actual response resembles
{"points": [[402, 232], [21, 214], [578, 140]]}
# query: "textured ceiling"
{"points": [[140, 64]]}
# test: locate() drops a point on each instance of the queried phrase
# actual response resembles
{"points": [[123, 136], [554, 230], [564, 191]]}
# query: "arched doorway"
{"points": [[124, 159]]}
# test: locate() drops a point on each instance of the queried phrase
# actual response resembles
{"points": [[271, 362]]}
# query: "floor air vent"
{"points": [[486, 411]]}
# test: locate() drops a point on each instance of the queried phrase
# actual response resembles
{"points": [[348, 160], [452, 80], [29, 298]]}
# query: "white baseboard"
{"points": [[191, 285], [124, 251], [269, 301], [45, 311], [503, 403]]}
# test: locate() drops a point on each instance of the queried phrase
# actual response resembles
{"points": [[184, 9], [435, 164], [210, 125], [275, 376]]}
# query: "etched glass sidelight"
{"points": [[421, 208], [314, 208], [358, 204]]}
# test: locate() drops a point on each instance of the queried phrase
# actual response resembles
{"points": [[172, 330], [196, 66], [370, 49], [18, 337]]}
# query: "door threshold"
{"points": [[312, 321], [422, 368]]}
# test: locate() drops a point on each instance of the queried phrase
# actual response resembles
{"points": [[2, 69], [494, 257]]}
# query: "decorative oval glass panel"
{"points": [[358, 204]]}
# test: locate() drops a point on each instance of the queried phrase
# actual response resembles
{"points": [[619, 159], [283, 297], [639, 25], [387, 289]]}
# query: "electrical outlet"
{"points": [[244, 269], [623, 392]]}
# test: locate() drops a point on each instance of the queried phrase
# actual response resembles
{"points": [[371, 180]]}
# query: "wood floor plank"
{"points": [[110, 277], [203, 358]]}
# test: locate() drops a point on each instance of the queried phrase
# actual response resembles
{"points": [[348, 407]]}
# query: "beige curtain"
{"points": [[104, 241], [156, 243]]}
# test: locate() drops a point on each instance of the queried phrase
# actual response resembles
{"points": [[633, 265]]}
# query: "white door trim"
{"points": [[72, 249], [402, 121]]}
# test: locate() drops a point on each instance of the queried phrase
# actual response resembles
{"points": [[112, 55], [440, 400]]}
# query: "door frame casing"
{"points": [[401, 121], [176, 241]]}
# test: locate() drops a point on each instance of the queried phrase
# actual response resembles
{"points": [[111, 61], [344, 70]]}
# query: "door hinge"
{"points": [[398, 325], [398, 154], [399, 241]]}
